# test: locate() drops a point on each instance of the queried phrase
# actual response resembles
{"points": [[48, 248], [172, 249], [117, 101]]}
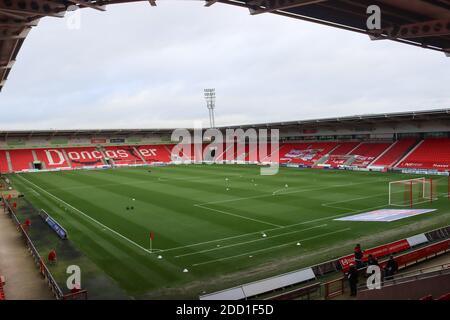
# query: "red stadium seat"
{"points": [[52, 158], [367, 152], [344, 148], [337, 155], [429, 154], [84, 156], [305, 153], [395, 153], [432, 153], [21, 159], [155, 153], [3, 162], [123, 155]]}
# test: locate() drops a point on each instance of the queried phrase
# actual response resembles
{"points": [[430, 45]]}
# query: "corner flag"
{"points": [[152, 236]]}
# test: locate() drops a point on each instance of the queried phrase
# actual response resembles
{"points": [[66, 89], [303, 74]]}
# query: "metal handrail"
{"points": [[36, 256], [440, 267]]}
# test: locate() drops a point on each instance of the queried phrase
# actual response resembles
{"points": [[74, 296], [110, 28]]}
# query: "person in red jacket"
{"points": [[26, 225], [52, 258]]}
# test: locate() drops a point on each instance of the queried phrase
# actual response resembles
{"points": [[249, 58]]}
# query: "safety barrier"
{"points": [[307, 292], [45, 272], [334, 288]]}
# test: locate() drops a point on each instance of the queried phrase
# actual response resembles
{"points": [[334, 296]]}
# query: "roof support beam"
{"points": [[22, 35], [13, 15], [17, 24], [416, 30], [7, 65], [84, 3], [209, 3], [33, 8], [263, 6]]}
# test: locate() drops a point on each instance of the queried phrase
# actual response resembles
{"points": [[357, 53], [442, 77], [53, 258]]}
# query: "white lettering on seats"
{"points": [[122, 153], [148, 152], [97, 154], [110, 154], [51, 160]]}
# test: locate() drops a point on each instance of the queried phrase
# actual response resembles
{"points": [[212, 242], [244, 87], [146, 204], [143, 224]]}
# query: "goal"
{"points": [[410, 192]]}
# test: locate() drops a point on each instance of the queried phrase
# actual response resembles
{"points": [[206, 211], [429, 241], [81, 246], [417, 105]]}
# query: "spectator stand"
{"points": [[408, 285], [420, 248]]}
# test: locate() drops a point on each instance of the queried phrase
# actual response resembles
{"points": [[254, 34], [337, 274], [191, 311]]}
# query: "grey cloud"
{"points": [[136, 66]]}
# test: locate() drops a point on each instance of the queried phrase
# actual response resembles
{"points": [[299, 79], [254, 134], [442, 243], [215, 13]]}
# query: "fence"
{"points": [[303, 293], [334, 288], [53, 285]]}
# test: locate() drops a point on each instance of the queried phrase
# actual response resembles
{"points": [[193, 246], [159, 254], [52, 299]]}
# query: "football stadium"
{"points": [[291, 210]]}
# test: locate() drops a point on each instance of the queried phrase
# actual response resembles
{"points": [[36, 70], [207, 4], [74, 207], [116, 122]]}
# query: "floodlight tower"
{"points": [[210, 97]]}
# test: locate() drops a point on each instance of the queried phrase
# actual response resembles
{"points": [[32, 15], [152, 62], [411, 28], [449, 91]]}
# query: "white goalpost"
{"points": [[410, 192]]}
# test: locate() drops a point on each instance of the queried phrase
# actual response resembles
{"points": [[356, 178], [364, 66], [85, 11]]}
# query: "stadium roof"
{"points": [[424, 23], [358, 120]]}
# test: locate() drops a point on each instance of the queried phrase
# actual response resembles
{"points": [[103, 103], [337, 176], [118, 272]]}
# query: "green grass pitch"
{"points": [[225, 224]]}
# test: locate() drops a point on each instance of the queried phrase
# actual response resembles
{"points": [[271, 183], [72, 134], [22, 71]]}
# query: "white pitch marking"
{"points": [[250, 241], [288, 192], [354, 199], [273, 229], [34, 192], [269, 248], [85, 215], [132, 183], [238, 216]]}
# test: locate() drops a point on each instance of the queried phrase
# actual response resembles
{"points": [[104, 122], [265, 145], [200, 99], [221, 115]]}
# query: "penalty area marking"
{"points": [[238, 216], [288, 192], [270, 248], [330, 204], [250, 241], [267, 230]]}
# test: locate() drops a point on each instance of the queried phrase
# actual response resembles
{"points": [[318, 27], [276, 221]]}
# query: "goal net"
{"points": [[407, 193]]}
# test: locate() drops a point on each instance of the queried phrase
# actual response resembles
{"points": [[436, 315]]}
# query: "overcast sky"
{"points": [[137, 66]]}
